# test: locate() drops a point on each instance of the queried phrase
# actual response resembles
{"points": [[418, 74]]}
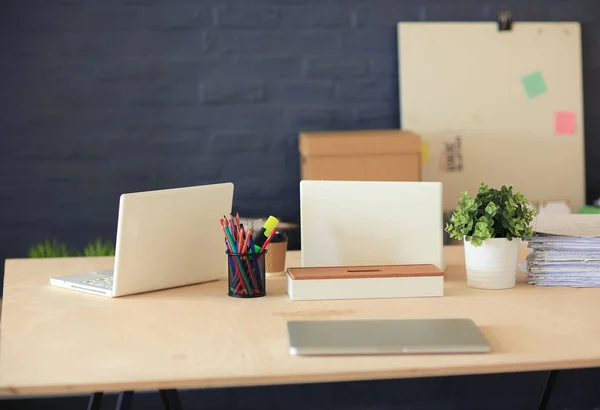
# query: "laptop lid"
{"points": [[404, 336], [169, 238], [357, 223]]}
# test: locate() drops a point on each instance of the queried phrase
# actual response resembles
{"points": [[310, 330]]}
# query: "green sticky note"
{"points": [[534, 84]]}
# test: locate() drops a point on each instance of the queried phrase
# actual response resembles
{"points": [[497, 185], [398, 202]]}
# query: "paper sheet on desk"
{"points": [[573, 284], [564, 256], [574, 225], [565, 251]]}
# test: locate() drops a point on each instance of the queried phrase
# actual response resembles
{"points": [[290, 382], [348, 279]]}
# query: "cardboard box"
{"points": [[365, 155]]}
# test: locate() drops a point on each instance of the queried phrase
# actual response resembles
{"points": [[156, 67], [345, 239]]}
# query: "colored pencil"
{"points": [[238, 279], [262, 249], [247, 240], [245, 276], [253, 275], [231, 263], [249, 268], [239, 263], [255, 260], [238, 282]]}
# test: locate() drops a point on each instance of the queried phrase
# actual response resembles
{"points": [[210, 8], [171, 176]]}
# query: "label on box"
{"points": [[452, 157]]}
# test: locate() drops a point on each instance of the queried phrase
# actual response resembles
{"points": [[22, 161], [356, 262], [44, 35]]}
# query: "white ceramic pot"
{"points": [[493, 265]]}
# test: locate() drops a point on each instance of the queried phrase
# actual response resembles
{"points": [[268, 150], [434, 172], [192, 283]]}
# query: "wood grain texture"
{"points": [[57, 341], [364, 272]]}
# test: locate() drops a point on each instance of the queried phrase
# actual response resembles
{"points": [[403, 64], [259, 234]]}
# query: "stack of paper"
{"points": [[565, 251]]}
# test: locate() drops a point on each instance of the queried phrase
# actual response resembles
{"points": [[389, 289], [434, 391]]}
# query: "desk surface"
{"points": [[58, 341]]}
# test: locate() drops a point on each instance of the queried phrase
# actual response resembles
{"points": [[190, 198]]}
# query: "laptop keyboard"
{"points": [[105, 282]]}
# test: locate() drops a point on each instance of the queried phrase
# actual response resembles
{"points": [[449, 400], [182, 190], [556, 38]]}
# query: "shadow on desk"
{"points": [[574, 390]]}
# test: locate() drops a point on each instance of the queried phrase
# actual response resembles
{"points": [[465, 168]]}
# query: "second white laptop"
{"points": [[165, 238], [358, 223]]}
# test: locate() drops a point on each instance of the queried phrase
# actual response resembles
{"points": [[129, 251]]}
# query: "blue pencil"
{"points": [[233, 271]]}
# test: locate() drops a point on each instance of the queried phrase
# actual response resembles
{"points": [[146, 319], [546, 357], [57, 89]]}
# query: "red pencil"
{"points": [[267, 241], [246, 241], [249, 268], [230, 248]]}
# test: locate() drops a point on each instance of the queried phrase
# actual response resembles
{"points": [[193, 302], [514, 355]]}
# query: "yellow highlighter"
{"points": [[264, 232]]}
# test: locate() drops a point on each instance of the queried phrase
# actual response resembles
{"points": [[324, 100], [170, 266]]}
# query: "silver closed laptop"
{"points": [[403, 336]]}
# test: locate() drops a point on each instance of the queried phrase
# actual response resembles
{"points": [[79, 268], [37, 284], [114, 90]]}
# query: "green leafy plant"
{"points": [[492, 213], [54, 249], [49, 249], [99, 248]]}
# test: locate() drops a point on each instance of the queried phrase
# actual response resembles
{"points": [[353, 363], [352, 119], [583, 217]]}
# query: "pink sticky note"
{"points": [[564, 122]]}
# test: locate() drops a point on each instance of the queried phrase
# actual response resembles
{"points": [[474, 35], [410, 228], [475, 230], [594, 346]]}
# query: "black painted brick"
{"points": [[378, 89], [224, 142], [370, 40], [335, 67], [376, 116], [268, 42], [253, 16], [377, 13], [282, 17], [466, 10], [385, 64], [231, 92], [300, 91], [320, 118], [264, 67], [114, 16]]}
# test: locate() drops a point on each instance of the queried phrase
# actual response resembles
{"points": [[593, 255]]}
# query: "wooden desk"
{"points": [[57, 341]]}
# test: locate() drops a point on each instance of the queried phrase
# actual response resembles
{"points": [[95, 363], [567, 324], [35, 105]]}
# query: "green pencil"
{"points": [[237, 259]]}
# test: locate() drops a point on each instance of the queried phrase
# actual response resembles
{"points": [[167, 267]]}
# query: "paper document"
{"points": [[568, 224], [565, 251]]}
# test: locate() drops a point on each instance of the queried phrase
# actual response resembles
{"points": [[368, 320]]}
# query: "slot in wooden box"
{"points": [[364, 282]]}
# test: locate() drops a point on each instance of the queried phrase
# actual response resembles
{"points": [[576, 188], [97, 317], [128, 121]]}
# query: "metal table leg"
{"points": [[124, 400], [95, 401], [545, 399], [170, 399]]}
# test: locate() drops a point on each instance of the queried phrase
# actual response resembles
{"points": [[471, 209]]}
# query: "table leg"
{"points": [[124, 400], [545, 399], [170, 399], [95, 401]]}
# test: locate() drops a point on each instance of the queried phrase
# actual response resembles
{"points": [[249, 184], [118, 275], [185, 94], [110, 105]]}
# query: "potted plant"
{"points": [[492, 225]]}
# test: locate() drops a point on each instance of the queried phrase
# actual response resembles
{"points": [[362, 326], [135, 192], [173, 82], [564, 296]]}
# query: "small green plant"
{"points": [[54, 249], [492, 213], [99, 248], [49, 249]]}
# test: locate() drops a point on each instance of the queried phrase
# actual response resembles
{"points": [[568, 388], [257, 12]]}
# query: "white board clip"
{"points": [[504, 20]]}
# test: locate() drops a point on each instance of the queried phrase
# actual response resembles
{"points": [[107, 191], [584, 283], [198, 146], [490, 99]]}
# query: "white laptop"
{"points": [[358, 223], [165, 239]]}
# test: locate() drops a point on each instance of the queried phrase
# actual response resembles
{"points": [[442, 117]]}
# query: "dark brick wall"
{"points": [[103, 97]]}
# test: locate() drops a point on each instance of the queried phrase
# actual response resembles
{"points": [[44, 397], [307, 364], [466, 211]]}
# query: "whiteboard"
{"points": [[500, 107]]}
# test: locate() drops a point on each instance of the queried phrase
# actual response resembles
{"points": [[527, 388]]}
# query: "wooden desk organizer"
{"points": [[364, 282]]}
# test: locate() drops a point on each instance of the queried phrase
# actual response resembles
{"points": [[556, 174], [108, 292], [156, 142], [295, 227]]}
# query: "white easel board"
{"points": [[500, 107]]}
